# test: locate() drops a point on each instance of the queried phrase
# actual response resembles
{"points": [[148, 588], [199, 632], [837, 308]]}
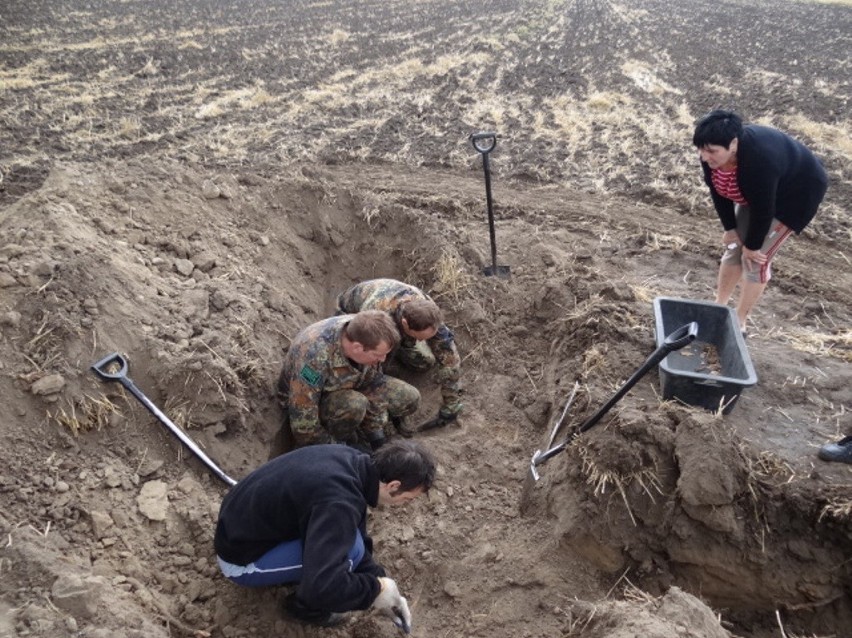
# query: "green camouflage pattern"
{"points": [[389, 295], [329, 398]]}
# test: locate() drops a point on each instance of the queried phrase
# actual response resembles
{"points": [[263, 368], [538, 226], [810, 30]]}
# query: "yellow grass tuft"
{"points": [[451, 279], [84, 415], [245, 98], [337, 36], [593, 359], [644, 292], [129, 128], [836, 344], [834, 137], [190, 44], [601, 479], [638, 596], [259, 97], [840, 510], [661, 241], [646, 79], [179, 410]]}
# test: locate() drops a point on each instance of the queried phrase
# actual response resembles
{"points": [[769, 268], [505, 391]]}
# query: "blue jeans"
{"points": [[281, 564]]}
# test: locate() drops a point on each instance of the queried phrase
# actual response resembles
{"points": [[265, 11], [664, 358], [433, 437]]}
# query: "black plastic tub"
{"points": [[712, 371]]}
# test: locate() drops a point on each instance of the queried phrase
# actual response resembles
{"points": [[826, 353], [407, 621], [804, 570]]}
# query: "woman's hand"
{"points": [[753, 256]]}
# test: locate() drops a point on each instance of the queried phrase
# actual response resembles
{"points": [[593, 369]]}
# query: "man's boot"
{"points": [[439, 421], [400, 424], [840, 452]]}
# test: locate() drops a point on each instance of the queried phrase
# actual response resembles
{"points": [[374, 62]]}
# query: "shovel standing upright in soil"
{"points": [[102, 369], [484, 143]]}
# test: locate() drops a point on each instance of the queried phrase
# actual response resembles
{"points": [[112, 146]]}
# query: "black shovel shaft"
{"points": [[675, 341], [491, 232], [485, 143], [100, 369]]}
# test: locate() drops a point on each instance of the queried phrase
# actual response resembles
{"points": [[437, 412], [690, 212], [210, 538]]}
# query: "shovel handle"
{"points": [[100, 367], [121, 376], [681, 337], [484, 142], [676, 340]]}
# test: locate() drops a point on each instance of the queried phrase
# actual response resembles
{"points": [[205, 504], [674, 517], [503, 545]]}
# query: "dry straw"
{"points": [[450, 278], [90, 413], [601, 479], [838, 509]]}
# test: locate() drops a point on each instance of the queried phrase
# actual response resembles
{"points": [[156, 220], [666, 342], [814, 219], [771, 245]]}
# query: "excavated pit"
{"points": [[202, 292]]}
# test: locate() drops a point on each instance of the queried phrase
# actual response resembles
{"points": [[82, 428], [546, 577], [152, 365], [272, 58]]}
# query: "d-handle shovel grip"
{"points": [[681, 337], [100, 367], [484, 142]]}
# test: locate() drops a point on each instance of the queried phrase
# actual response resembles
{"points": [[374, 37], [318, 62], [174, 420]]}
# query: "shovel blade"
{"points": [[534, 461], [502, 272]]}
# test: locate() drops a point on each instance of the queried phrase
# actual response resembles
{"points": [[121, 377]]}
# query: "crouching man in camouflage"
{"points": [[425, 339], [332, 385]]}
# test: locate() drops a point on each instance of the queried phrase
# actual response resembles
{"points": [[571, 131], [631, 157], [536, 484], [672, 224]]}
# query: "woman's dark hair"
{"points": [[407, 462], [719, 128]]}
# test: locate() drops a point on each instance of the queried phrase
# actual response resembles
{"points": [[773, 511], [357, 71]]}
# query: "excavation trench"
{"points": [[203, 293]]}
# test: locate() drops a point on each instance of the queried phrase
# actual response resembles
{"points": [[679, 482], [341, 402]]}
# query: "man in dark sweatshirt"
{"points": [[765, 186], [302, 518]]}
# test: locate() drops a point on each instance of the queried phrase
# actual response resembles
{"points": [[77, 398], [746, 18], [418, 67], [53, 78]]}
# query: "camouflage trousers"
{"points": [[349, 415], [419, 357]]}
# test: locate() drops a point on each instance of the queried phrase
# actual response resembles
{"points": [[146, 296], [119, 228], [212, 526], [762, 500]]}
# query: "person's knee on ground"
{"points": [[342, 413], [282, 564], [403, 400]]}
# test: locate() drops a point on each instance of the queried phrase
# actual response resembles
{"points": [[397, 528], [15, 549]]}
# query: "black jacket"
{"points": [[319, 494], [779, 177]]}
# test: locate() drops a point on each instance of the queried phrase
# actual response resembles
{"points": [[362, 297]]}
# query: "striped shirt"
{"points": [[725, 183]]}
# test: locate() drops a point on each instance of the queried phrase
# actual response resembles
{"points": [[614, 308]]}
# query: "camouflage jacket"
{"points": [[390, 295], [314, 365]]}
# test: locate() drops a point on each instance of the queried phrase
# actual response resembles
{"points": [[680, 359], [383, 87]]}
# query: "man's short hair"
{"points": [[718, 127], [407, 462], [422, 314], [372, 327]]}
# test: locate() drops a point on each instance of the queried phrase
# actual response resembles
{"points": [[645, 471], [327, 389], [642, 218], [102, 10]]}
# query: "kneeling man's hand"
{"points": [[391, 603]]}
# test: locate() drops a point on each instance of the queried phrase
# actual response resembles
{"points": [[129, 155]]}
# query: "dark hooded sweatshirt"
{"points": [[318, 494], [779, 177]]}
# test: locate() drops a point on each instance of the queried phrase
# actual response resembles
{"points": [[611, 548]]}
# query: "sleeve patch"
{"points": [[310, 376]]}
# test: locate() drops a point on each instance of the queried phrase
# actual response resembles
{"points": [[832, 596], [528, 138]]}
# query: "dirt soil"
{"points": [[191, 183]]}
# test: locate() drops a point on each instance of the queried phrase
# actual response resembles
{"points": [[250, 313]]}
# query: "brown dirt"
{"points": [[191, 186]]}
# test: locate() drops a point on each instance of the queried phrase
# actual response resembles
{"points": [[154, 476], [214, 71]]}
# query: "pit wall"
{"points": [[697, 512]]}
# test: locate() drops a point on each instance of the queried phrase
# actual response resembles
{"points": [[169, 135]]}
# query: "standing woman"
{"points": [[765, 185]]}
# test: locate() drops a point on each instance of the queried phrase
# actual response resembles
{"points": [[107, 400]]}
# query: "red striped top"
{"points": [[725, 183]]}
